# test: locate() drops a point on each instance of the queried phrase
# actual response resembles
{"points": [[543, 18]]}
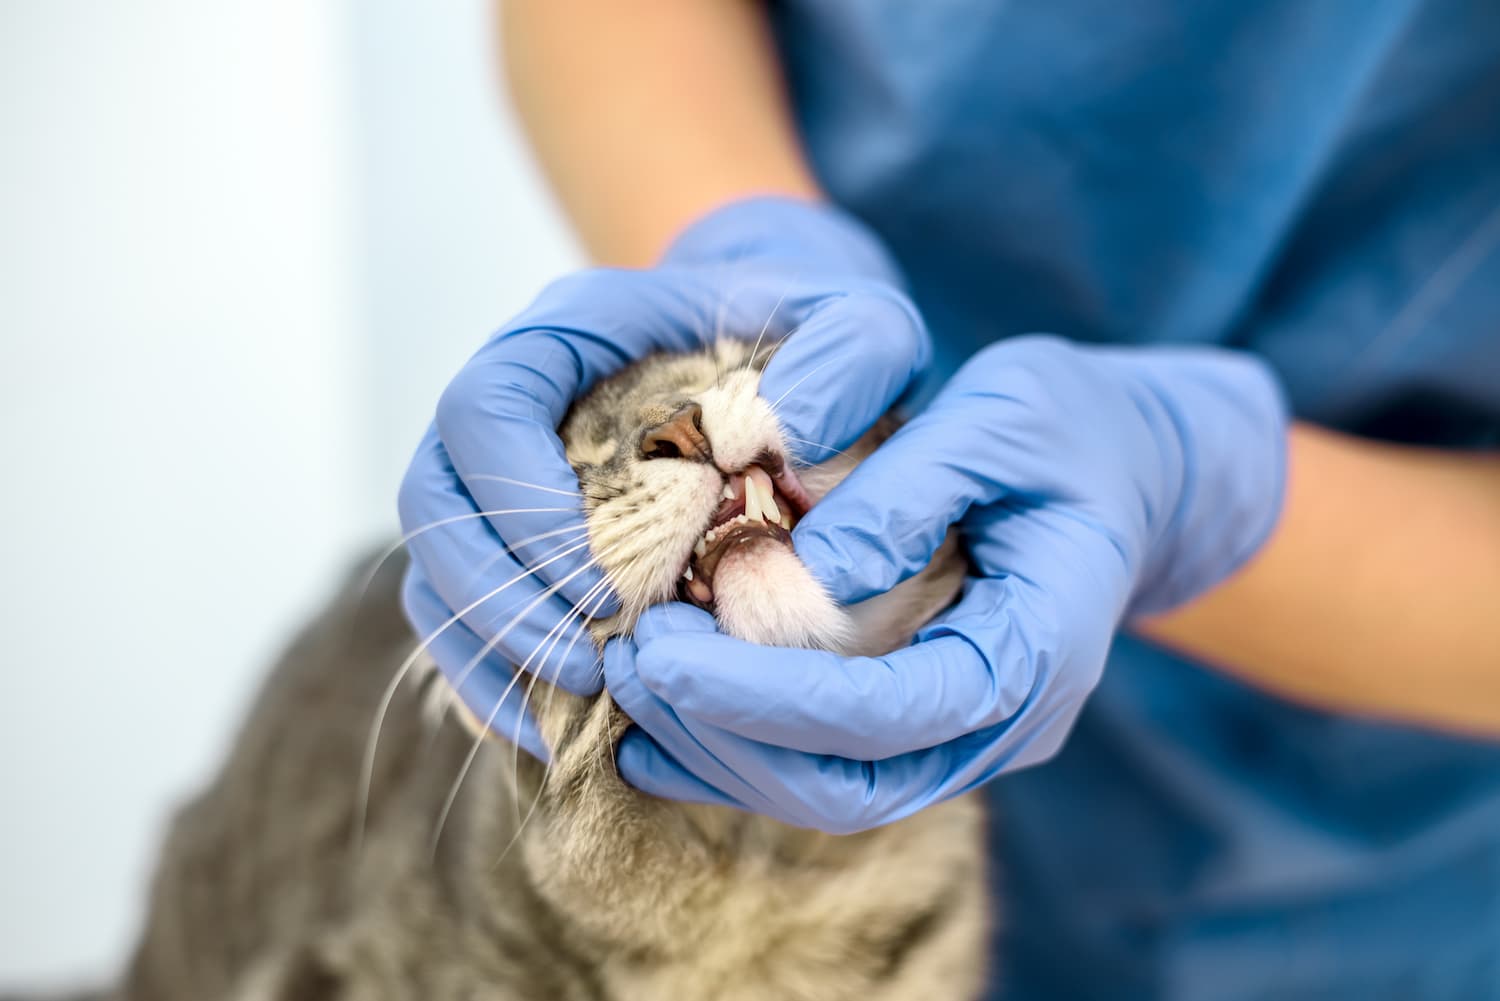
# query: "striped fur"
{"points": [[605, 893]]}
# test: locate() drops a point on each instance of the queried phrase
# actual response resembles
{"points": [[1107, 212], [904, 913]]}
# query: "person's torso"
{"points": [[1315, 182]]}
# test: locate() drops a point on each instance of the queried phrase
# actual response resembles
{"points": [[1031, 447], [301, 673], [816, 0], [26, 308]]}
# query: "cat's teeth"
{"points": [[728, 493], [710, 537], [687, 574], [786, 522], [752, 498], [699, 548], [769, 508]]}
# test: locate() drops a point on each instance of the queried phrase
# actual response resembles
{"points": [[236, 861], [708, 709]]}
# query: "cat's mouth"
{"points": [[762, 503]]}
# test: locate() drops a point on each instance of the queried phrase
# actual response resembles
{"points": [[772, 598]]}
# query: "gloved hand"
{"points": [[1091, 484], [490, 506]]}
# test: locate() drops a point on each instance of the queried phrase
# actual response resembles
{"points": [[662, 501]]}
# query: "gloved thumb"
{"points": [[885, 521]]}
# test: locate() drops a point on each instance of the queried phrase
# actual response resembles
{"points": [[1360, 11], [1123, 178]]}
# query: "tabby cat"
{"points": [[562, 882]]}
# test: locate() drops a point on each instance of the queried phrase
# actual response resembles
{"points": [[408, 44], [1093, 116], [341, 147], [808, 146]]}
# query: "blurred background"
{"points": [[243, 245]]}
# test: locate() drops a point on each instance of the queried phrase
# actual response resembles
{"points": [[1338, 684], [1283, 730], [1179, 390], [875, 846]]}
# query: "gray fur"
{"points": [[606, 893]]}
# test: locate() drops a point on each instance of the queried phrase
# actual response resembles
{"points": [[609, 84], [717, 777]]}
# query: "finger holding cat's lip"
{"points": [[846, 363], [681, 757], [498, 418], [976, 669]]}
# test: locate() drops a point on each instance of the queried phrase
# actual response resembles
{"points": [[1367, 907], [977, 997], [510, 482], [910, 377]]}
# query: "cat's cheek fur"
{"points": [[764, 594]]}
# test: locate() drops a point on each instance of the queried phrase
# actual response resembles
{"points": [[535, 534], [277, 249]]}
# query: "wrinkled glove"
{"points": [[501, 574], [1091, 484]]}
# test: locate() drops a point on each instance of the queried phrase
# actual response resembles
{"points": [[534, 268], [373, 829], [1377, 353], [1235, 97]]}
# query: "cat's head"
{"points": [[691, 493]]}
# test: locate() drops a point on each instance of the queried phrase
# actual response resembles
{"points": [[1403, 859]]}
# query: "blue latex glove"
{"points": [[490, 505], [1091, 484]]}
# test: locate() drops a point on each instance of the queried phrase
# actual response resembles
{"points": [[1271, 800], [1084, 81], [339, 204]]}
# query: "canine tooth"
{"points": [[728, 492], [688, 573], [762, 479], [699, 548], [752, 498], [769, 508], [786, 522]]}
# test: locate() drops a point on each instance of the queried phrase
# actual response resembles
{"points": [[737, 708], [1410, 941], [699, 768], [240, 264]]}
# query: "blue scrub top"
{"points": [[1317, 181]]}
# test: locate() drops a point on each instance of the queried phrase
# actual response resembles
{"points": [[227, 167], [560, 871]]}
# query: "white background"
{"points": [[243, 243]]}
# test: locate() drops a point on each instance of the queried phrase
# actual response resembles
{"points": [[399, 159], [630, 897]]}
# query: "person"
{"points": [[1197, 307]]}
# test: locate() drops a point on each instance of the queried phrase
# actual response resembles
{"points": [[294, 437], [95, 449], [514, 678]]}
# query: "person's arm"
{"points": [[647, 115], [1379, 592]]}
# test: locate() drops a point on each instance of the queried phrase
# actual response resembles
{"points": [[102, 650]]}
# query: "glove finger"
{"points": [[490, 692], [887, 518], [524, 620], [828, 793], [845, 365], [977, 671]]}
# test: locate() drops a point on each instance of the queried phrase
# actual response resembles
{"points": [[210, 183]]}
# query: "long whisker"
{"points": [[547, 772], [463, 675], [393, 548], [447, 695], [766, 326], [816, 444], [781, 343], [481, 736], [813, 371], [521, 483], [515, 762], [577, 533], [367, 765]]}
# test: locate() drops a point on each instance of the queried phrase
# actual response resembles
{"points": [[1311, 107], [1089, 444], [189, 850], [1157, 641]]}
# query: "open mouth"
{"points": [[763, 502]]}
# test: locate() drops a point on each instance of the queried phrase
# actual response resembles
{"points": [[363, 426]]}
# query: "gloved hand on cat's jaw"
{"points": [[490, 506], [1091, 485]]}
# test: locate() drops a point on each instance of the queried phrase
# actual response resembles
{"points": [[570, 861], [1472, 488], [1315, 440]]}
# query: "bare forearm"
{"points": [[655, 114], [1379, 592]]}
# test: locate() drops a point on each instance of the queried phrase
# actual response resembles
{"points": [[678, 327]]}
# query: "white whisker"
{"points": [[815, 369], [547, 772], [521, 483], [577, 533], [816, 444], [367, 766], [393, 548], [489, 722], [594, 592], [767, 325]]}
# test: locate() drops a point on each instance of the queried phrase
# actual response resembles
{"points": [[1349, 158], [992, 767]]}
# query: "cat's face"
{"points": [[690, 495]]}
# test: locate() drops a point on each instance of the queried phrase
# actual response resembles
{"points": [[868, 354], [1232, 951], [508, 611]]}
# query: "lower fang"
{"points": [[688, 574]]}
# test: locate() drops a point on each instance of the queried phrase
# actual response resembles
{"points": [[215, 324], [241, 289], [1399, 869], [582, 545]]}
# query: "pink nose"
{"points": [[679, 437]]}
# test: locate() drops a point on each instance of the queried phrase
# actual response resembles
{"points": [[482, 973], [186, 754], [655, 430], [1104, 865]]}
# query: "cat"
{"points": [[563, 882]]}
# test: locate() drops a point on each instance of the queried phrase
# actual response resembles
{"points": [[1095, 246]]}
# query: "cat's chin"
{"points": [[764, 594]]}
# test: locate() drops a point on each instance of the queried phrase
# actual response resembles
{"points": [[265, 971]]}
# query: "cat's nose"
{"points": [[678, 437]]}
